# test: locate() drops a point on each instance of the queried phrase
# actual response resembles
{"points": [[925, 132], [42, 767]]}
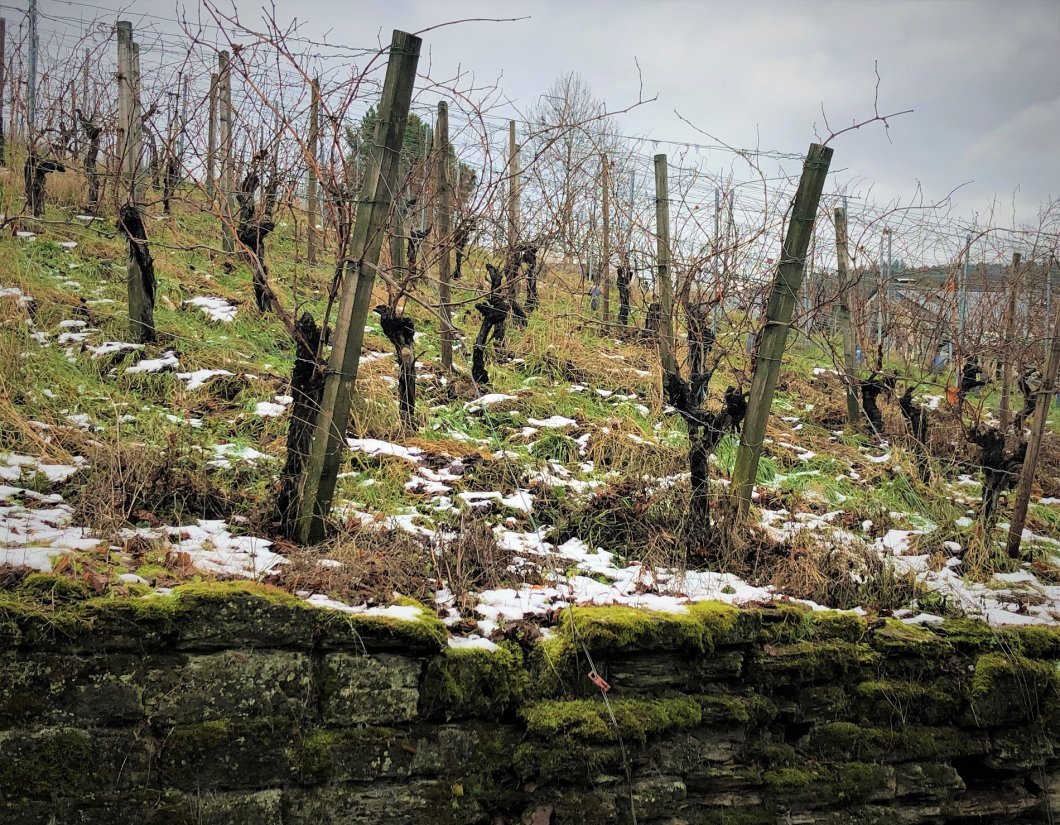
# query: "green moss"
{"points": [[1008, 688], [784, 624], [813, 785], [426, 633], [794, 783], [725, 624], [153, 571], [1035, 641], [590, 720], [701, 628], [828, 625], [844, 741], [200, 592], [902, 641], [474, 682], [807, 662], [739, 816], [49, 766], [312, 758], [969, 635], [789, 623], [895, 700], [206, 611], [565, 758], [721, 709], [553, 667], [859, 781], [821, 703], [49, 588], [604, 629]]}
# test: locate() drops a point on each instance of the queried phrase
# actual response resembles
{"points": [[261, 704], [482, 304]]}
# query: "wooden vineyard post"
{"points": [[211, 139], [224, 119], [1005, 405], [1034, 443], [3, 80], [312, 199], [127, 114], [513, 206], [849, 345], [137, 131], [399, 243], [662, 274], [605, 253], [317, 487], [443, 224], [779, 310], [139, 267]]}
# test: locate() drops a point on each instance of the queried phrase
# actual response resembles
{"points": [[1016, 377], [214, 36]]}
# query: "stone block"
{"points": [[231, 685], [60, 762], [362, 689], [227, 754], [57, 688]]}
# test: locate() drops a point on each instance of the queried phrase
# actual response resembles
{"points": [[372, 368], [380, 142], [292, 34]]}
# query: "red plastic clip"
{"points": [[598, 680]]}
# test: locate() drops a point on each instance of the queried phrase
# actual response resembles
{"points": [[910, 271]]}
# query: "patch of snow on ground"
{"points": [[212, 548], [217, 309], [168, 361], [196, 379], [32, 535], [553, 421], [111, 347], [273, 409], [488, 400], [375, 446], [471, 643]]}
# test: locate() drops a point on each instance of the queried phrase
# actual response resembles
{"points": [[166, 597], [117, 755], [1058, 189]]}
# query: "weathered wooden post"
{"points": [[663, 284], [312, 199], [513, 209], [211, 139], [3, 80], [1042, 406], [137, 131], [845, 290], [399, 242], [329, 433], [1005, 404], [140, 267], [125, 104], [605, 255], [224, 118], [443, 226], [779, 310]]}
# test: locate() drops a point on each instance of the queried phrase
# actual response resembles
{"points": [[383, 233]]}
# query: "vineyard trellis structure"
{"points": [[564, 191]]}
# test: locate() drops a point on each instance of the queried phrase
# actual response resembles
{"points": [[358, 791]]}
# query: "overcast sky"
{"points": [[982, 77]]}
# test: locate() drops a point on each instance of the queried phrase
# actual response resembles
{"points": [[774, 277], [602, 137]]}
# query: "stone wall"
{"points": [[237, 704]]}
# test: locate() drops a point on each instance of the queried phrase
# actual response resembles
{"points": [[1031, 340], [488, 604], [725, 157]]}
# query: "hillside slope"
{"points": [[132, 469]]}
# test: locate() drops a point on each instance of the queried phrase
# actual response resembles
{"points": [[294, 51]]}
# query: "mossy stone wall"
{"points": [[236, 704]]}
